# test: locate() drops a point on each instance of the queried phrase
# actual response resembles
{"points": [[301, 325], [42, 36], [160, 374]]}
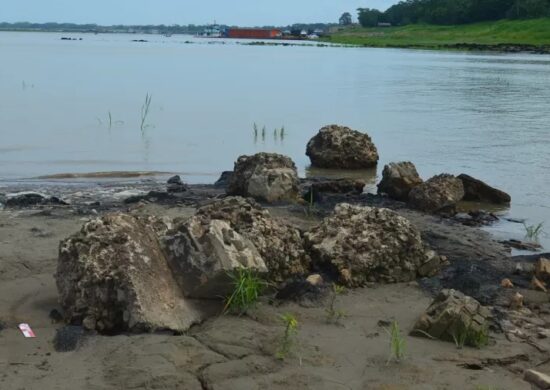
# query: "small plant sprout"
{"points": [[287, 341], [247, 288], [110, 120], [397, 343], [468, 335], [533, 232], [263, 133], [282, 133], [145, 110], [334, 314], [255, 127]]}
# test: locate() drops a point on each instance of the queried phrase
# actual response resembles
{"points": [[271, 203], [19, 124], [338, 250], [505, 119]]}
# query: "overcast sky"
{"points": [[233, 12]]}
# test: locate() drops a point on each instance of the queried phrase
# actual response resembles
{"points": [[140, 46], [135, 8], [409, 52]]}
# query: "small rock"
{"points": [[506, 283], [224, 179], [266, 177], [175, 184], [439, 194], [516, 301], [538, 379], [525, 246], [315, 280], [451, 312], [476, 190], [537, 284], [398, 179], [542, 269], [342, 148]]}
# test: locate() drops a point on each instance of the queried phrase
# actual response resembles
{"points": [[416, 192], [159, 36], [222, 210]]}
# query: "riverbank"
{"points": [[230, 352], [531, 36]]}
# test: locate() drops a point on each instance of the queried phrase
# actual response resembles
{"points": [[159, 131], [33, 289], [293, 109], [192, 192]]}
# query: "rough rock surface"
{"points": [[440, 193], [450, 314], [202, 252], [367, 244], [398, 179], [175, 184], [542, 269], [268, 177], [112, 276], [246, 227], [476, 190], [341, 147]]}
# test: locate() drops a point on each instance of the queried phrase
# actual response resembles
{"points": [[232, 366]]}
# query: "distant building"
{"points": [[384, 24], [254, 33]]}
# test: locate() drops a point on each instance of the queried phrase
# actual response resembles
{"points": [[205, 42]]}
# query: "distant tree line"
{"points": [[454, 11]]}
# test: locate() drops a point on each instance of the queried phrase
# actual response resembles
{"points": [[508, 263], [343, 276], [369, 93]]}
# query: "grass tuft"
{"points": [[334, 315], [397, 343], [533, 232], [287, 341], [247, 288]]}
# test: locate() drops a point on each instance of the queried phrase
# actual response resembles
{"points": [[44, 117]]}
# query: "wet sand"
{"points": [[228, 352]]}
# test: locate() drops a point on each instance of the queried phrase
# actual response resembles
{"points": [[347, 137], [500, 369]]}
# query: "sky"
{"points": [[231, 12]]}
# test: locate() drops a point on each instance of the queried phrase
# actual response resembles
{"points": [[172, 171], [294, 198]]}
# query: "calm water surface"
{"points": [[483, 114]]}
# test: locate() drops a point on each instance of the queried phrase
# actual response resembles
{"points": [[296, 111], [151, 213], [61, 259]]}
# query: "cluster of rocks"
{"points": [[128, 273], [29, 199], [439, 194]]}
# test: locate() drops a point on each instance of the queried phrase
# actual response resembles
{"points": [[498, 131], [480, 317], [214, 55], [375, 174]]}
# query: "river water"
{"points": [[75, 106]]}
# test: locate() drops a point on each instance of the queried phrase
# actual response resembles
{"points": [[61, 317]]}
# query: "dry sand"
{"points": [[231, 352]]}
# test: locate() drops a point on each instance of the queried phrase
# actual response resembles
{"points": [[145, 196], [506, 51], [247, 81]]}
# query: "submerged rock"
{"points": [[453, 315], [112, 276], [476, 190], [267, 177], [341, 147], [366, 244], [398, 179], [440, 193], [237, 230]]}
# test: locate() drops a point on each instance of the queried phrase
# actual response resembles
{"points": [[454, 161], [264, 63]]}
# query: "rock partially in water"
{"points": [[367, 244], [441, 193], [204, 252], [175, 184], [279, 245], [267, 177], [398, 179], [476, 218], [542, 269], [452, 315], [112, 276], [476, 190], [341, 147], [151, 196], [27, 199], [317, 187]]}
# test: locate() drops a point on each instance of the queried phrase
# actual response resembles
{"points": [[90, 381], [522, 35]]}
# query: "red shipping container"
{"points": [[253, 33]]}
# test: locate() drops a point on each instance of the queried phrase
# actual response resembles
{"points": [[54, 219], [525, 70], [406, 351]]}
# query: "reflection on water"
{"points": [[75, 106]]}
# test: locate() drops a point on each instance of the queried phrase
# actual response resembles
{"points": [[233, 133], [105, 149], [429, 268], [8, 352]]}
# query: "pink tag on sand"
{"points": [[26, 330]]}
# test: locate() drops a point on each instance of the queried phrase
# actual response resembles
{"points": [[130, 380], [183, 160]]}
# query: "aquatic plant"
{"points": [[247, 288], [145, 110], [287, 341], [533, 232], [282, 133], [334, 314], [263, 133], [255, 127], [110, 120], [397, 343]]}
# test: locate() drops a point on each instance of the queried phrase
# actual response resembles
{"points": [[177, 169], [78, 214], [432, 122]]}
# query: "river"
{"points": [[75, 106]]}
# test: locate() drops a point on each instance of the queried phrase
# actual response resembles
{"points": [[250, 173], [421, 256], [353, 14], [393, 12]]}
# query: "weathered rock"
{"points": [[268, 177], [516, 301], [440, 193], [398, 179], [338, 186], [542, 269], [341, 147], [506, 283], [151, 196], [26, 199], [175, 184], [450, 315], [476, 190], [224, 179], [538, 285], [365, 244], [537, 379], [247, 226], [113, 276], [315, 280], [204, 252]]}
